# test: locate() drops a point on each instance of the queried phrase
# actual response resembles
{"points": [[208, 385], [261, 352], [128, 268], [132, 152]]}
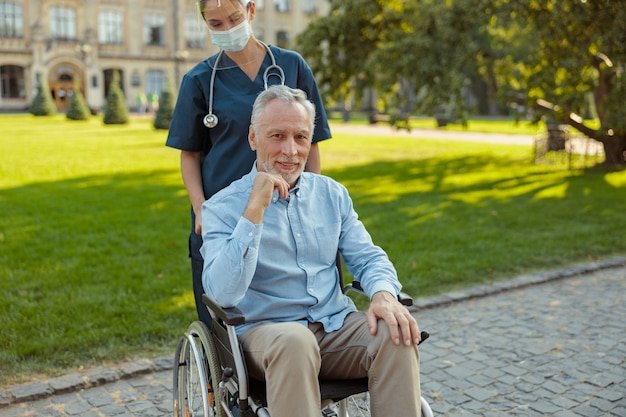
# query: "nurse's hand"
{"points": [[198, 222], [261, 195]]}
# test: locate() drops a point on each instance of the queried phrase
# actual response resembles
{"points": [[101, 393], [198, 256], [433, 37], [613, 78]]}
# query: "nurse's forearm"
{"points": [[314, 163], [192, 178]]}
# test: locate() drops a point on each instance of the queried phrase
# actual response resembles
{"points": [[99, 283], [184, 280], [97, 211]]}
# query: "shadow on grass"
{"points": [[451, 223], [95, 269]]}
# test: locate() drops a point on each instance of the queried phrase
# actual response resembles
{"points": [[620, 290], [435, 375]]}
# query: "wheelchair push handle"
{"points": [[423, 336]]}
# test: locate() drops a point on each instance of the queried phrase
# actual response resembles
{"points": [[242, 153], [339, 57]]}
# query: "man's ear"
{"points": [[252, 138]]}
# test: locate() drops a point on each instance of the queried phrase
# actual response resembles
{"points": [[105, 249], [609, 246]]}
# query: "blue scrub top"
{"points": [[226, 154]]}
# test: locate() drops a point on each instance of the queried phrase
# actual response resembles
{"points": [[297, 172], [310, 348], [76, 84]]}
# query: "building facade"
{"points": [[72, 44]]}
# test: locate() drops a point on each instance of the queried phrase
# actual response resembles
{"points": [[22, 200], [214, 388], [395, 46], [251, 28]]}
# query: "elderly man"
{"points": [[270, 241]]}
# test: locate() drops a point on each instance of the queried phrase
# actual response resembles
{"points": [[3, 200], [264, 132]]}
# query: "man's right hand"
{"points": [[261, 195]]}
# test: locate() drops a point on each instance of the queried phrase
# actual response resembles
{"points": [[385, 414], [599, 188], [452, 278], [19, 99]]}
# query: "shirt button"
{"points": [[250, 234]]}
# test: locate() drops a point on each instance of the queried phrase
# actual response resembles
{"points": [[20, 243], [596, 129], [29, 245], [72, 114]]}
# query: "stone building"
{"points": [[82, 43]]}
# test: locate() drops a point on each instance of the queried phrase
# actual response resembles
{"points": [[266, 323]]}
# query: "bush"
{"points": [[78, 109], [43, 104], [116, 111], [163, 115]]}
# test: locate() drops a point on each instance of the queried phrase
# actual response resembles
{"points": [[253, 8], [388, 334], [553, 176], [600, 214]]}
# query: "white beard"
{"points": [[289, 178]]}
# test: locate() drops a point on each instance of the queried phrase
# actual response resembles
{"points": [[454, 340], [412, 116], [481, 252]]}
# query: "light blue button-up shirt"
{"points": [[284, 269]]}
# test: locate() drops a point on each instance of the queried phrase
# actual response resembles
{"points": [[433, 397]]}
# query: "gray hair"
{"points": [[202, 3], [285, 94]]}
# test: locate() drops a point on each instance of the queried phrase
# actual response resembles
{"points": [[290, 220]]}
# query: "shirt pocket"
{"points": [[327, 239]]}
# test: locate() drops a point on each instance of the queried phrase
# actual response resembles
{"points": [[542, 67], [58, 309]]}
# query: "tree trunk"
{"points": [[615, 151], [614, 146]]}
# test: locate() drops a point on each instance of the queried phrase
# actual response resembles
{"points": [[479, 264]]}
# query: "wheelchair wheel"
{"points": [[195, 393], [359, 406], [354, 406], [426, 411], [180, 363]]}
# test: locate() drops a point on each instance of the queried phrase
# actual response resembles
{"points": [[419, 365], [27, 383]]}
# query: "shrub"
{"points": [[116, 111], [163, 115], [78, 109], [43, 104]]}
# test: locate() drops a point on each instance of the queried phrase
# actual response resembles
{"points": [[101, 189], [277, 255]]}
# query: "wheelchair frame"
{"points": [[211, 380]]}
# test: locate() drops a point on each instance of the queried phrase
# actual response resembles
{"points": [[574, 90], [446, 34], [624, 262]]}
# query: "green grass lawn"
{"points": [[94, 225]]}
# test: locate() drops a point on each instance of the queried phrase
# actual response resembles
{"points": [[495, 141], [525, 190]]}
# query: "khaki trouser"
{"points": [[290, 357]]}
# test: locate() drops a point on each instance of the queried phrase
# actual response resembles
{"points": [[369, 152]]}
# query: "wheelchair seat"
{"points": [[330, 390]]}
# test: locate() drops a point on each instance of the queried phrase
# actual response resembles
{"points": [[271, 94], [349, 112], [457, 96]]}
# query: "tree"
{"points": [[422, 56], [43, 104], [164, 113], [416, 55], [116, 111], [78, 109], [581, 52]]}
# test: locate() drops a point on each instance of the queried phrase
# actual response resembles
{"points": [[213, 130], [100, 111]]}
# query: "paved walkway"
{"points": [[552, 349], [547, 344], [385, 129]]}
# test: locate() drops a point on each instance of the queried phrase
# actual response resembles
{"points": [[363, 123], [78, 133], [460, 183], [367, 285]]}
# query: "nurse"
{"points": [[212, 114]]}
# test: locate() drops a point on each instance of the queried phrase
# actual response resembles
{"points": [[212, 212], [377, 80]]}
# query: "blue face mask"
{"points": [[233, 39]]}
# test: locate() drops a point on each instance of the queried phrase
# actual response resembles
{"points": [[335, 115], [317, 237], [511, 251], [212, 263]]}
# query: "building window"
{"points": [[11, 20], [282, 39], [154, 29], [110, 27], [195, 33], [135, 79], [309, 6], [62, 23], [155, 81], [12, 81], [282, 6]]}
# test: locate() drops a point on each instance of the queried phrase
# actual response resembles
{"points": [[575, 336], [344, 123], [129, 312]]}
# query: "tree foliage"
{"points": [[116, 111], [416, 55], [43, 104], [581, 53], [422, 56]]}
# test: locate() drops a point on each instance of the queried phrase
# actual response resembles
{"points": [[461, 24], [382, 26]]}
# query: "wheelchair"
{"points": [[210, 377]]}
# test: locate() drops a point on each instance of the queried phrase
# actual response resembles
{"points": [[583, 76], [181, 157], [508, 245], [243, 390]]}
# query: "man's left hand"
{"points": [[397, 317]]}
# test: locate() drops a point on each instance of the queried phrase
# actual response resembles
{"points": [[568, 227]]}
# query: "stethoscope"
{"points": [[210, 120]]}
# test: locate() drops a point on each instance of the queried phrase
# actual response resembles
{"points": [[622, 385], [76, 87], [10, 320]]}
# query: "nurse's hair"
{"points": [[285, 94], [202, 3]]}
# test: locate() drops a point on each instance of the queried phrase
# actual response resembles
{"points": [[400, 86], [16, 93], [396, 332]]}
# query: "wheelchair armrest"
{"points": [[230, 315], [404, 298], [354, 286]]}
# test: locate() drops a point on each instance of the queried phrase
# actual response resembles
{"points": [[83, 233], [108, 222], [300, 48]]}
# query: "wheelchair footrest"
{"points": [[327, 412]]}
